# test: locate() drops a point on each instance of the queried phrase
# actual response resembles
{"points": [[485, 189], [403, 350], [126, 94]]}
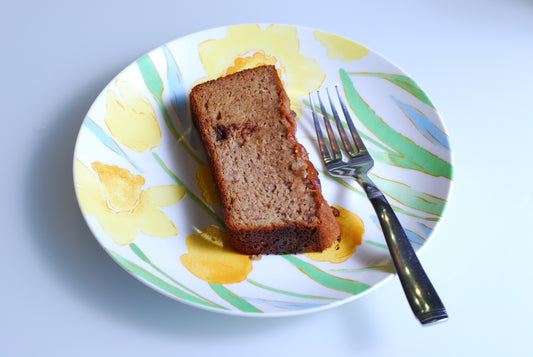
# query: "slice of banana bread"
{"points": [[269, 189]]}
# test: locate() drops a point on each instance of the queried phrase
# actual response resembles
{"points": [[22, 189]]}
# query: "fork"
{"points": [[421, 295]]}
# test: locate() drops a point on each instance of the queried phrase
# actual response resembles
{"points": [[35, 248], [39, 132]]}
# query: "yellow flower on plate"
{"points": [[352, 236], [340, 48], [123, 208], [247, 46], [211, 258], [206, 184], [131, 118]]}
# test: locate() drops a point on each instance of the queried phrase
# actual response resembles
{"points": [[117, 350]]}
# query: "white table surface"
{"points": [[62, 295]]}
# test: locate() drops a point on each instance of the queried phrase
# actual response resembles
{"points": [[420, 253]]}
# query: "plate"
{"points": [[147, 194]]}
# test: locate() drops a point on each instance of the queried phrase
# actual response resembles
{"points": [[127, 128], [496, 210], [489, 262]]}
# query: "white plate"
{"points": [[138, 163]]}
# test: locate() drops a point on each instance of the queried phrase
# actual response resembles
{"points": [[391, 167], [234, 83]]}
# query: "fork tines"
{"points": [[358, 147]]}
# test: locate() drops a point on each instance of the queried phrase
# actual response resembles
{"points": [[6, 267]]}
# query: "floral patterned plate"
{"points": [[147, 194]]}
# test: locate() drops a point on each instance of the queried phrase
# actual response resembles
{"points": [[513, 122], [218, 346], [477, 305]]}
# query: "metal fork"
{"points": [[422, 297]]}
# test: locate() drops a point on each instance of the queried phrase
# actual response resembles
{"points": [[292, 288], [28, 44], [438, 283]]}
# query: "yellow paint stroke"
{"points": [[425, 200], [412, 198], [409, 186], [249, 45], [211, 258], [419, 236], [131, 118], [122, 207], [389, 180], [340, 48], [255, 60], [353, 229], [206, 183]]}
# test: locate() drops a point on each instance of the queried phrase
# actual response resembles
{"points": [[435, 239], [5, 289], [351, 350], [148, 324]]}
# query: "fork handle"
{"points": [[420, 293]]}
